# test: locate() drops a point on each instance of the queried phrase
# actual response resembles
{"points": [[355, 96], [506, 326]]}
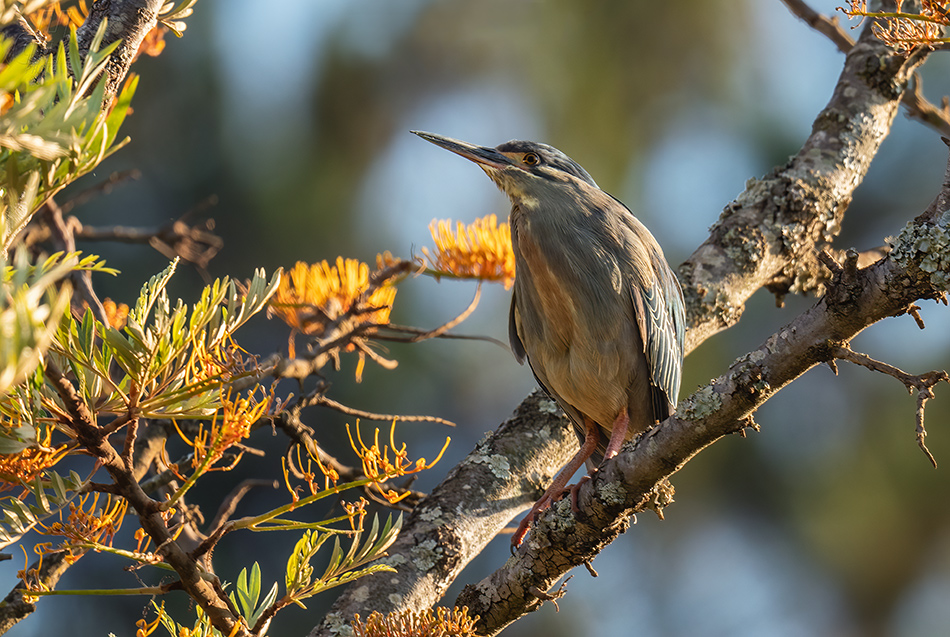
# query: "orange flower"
{"points": [[378, 466], [53, 15], [25, 465], [84, 526], [481, 250], [313, 298], [408, 623], [146, 628], [234, 425], [905, 30], [117, 314], [154, 42], [28, 464]]}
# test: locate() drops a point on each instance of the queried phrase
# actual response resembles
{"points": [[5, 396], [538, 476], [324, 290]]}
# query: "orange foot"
{"points": [[541, 505], [538, 507], [559, 487]]}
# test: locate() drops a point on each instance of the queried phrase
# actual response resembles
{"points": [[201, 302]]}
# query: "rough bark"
{"points": [[128, 21], [15, 607]]}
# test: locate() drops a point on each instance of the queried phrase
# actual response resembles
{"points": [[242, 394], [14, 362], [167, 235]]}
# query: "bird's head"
{"points": [[525, 171]]}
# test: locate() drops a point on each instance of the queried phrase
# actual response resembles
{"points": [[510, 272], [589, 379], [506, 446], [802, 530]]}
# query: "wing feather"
{"points": [[661, 317]]}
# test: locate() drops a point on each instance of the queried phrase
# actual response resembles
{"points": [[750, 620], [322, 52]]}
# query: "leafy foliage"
{"points": [[173, 361], [172, 14], [343, 568], [248, 591], [54, 127], [79, 378], [31, 305]]}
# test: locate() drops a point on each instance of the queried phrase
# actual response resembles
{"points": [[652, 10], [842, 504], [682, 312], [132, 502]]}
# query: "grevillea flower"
{"points": [[311, 297], [409, 623], [88, 523], [481, 250]]}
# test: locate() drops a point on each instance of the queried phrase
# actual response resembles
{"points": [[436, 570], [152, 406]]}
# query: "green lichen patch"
{"points": [[701, 404], [425, 555], [496, 463], [612, 493], [927, 246]]}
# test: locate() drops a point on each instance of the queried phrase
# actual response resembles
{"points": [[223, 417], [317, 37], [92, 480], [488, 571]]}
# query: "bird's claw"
{"points": [[522, 531], [542, 504], [573, 490]]}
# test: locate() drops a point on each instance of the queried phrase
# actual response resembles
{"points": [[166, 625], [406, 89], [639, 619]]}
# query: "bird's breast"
{"points": [[578, 342], [554, 311]]}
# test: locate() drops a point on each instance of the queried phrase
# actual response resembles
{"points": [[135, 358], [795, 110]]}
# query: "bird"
{"points": [[596, 310]]}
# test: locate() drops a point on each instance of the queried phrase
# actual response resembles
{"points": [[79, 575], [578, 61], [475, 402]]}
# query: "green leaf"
{"points": [[121, 108], [151, 292], [16, 440], [75, 60]]}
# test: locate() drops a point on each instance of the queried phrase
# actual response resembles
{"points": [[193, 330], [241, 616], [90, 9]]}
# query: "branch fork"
{"points": [[922, 383]]}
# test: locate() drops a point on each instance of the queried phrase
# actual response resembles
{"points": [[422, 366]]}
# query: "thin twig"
{"points": [[104, 187], [368, 415], [923, 383], [821, 23], [458, 319], [922, 109], [64, 235], [235, 496], [195, 243]]}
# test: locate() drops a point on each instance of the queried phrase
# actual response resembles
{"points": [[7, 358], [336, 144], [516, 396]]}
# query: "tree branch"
{"points": [[918, 107], [771, 233], [89, 435], [923, 383], [498, 480], [128, 21], [47, 572], [828, 27]]}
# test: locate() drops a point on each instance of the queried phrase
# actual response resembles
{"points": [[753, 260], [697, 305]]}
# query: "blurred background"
{"points": [[295, 115]]}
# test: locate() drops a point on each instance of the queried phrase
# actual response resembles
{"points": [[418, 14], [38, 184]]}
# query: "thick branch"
{"points": [[771, 232], [505, 473], [47, 572], [128, 21]]}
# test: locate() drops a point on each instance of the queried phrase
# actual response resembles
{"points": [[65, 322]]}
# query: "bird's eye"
{"points": [[531, 159]]}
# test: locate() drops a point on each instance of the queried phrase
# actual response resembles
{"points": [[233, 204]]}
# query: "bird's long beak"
{"points": [[479, 154]]}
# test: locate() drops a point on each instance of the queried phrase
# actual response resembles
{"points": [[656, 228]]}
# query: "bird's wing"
{"points": [[517, 347], [659, 310], [660, 316]]}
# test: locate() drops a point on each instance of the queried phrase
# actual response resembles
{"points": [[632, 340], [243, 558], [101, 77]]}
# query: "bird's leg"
{"points": [[557, 488], [617, 437], [618, 434]]}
